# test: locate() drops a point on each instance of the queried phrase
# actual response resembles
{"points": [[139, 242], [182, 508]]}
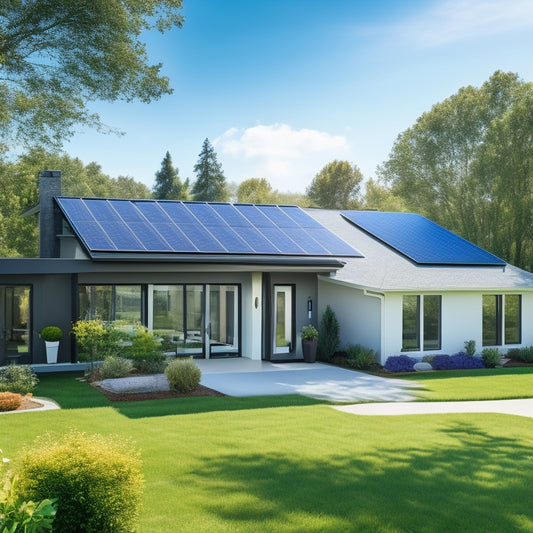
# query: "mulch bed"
{"points": [[159, 395]]}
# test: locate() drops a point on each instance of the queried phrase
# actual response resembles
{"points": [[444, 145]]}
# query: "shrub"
{"points": [[97, 481], [167, 344], [51, 334], [17, 378], [309, 333], [359, 357], [9, 401], [115, 367], [21, 516], [329, 339], [400, 363], [491, 357], [145, 352], [470, 347], [521, 354], [183, 375], [456, 362]]}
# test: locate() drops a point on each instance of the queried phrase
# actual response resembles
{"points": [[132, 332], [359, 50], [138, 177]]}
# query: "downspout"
{"points": [[381, 297]]}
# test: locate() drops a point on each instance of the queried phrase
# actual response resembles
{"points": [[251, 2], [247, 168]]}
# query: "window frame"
{"points": [[421, 319], [500, 319]]}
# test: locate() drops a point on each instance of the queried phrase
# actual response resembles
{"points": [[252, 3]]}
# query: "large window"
{"points": [[15, 323], [502, 318], [120, 304], [421, 322]]}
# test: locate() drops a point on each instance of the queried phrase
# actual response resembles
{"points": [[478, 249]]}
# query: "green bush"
{"points": [[97, 481], [51, 334], [491, 357], [115, 367], [145, 352], [470, 347], [183, 375], [17, 378], [359, 357], [521, 354], [329, 335], [18, 516]]}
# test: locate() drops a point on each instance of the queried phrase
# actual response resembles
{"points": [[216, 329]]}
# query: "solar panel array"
{"points": [[105, 225], [420, 239]]}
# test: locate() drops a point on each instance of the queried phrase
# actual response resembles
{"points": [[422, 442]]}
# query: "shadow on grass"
{"points": [[474, 482], [70, 393], [480, 372]]}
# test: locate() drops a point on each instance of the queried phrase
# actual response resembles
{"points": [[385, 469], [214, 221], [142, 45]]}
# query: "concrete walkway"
{"points": [[245, 377], [508, 407]]}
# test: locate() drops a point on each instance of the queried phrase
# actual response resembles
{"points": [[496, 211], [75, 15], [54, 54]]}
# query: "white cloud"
{"points": [[288, 158], [457, 20]]}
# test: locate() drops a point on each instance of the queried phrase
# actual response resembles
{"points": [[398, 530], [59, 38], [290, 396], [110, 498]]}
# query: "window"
{"points": [[120, 304], [502, 317], [284, 319], [15, 320], [421, 322]]}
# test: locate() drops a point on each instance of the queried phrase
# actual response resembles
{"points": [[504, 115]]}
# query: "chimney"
{"points": [[49, 215]]}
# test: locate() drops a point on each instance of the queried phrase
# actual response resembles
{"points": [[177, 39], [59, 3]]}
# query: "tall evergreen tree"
{"points": [[168, 185], [210, 184]]}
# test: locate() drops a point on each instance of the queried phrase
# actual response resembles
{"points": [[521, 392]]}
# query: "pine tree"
{"points": [[168, 185], [210, 184]]}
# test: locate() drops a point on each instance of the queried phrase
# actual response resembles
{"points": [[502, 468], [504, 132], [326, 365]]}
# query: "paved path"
{"points": [[508, 407]]}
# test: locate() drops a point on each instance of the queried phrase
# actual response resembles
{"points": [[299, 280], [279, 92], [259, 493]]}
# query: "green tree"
{"points": [[463, 166], [379, 197], [256, 191], [210, 184], [168, 185], [57, 56], [336, 186]]}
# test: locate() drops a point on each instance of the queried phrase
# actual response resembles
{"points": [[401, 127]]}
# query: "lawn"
{"points": [[291, 464]]}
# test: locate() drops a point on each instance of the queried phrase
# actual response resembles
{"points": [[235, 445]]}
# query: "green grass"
{"points": [[291, 464], [481, 384]]}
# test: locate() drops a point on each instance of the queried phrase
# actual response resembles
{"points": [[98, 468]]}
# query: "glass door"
{"points": [[223, 326], [15, 322], [283, 319]]}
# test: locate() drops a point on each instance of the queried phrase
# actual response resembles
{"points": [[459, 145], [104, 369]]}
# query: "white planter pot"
{"points": [[51, 351]]}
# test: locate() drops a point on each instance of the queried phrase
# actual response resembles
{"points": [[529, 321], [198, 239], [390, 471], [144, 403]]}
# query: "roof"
{"points": [[384, 268], [155, 228]]}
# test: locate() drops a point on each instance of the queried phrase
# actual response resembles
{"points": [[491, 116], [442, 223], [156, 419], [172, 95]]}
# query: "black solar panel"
{"points": [[198, 227]]}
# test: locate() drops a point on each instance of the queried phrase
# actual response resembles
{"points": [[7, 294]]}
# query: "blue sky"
{"points": [[282, 87]]}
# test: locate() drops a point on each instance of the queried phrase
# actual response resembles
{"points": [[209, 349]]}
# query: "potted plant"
{"points": [[309, 343], [51, 336]]}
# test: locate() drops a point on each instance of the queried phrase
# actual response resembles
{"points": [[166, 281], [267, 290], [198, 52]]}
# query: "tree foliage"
{"points": [[56, 56], [19, 192], [210, 184], [336, 186], [468, 164], [256, 191], [168, 185]]}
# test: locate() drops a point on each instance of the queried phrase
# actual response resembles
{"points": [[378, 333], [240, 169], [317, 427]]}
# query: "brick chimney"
{"points": [[49, 215]]}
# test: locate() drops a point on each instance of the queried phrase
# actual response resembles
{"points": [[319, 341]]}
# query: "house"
{"points": [[240, 280]]}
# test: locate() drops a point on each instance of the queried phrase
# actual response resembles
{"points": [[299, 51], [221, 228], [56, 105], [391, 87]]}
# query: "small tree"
{"points": [[210, 184], [168, 185], [329, 338], [90, 335]]}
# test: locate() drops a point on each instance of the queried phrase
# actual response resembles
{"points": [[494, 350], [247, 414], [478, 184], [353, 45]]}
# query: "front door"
{"points": [[222, 335]]}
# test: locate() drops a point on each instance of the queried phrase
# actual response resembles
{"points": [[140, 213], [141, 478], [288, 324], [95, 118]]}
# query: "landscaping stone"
{"points": [[422, 367]]}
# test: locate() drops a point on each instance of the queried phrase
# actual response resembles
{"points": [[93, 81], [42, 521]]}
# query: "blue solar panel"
{"points": [[229, 239], [94, 236], [175, 238], [255, 216], [75, 209], [198, 227], [300, 217], [230, 215], [127, 211], [420, 239], [280, 219], [102, 210]]}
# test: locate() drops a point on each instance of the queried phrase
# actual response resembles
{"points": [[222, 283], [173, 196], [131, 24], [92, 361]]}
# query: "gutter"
{"points": [[381, 297]]}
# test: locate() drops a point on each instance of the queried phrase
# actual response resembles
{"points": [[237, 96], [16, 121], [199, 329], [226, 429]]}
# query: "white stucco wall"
{"points": [[359, 316], [462, 314]]}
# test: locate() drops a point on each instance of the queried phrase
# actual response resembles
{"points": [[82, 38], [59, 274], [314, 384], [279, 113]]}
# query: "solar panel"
{"points": [[420, 239], [167, 226]]}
